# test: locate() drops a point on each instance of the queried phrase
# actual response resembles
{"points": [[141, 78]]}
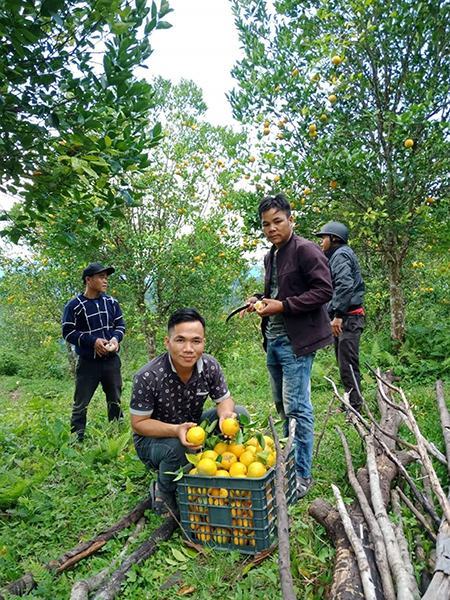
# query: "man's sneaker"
{"points": [[163, 504], [303, 485]]}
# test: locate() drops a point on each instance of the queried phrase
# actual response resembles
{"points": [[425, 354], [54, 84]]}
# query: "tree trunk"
{"points": [[396, 297], [151, 344]]}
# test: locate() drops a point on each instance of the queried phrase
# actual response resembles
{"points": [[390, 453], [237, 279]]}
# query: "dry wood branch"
{"points": [[363, 565], [87, 548], [284, 559], [81, 589], [406, 411], [419, 516], [26, 583], [428, 465], [325, 423], [421, 559], [346, 579], [421, 497], [393, 552], [375, 532], [427, 486], [440, 584], [445, 418], [403, 544], [110, 590]]}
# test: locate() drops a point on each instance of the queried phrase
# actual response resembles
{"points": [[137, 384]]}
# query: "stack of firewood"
{"points": [[373, 560]]}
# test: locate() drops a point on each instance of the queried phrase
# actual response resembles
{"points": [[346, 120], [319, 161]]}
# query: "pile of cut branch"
{"points": [[373, 560]]}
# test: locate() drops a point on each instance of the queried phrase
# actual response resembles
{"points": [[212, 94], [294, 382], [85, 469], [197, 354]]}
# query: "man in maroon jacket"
{"points": [[294, 324]]}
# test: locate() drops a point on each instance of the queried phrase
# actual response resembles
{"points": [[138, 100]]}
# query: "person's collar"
{"points": [[274, 249], [198, 364], [329, 253]]}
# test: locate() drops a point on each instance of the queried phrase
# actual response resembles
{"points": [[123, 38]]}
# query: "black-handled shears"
{"points": [[238, 310]]}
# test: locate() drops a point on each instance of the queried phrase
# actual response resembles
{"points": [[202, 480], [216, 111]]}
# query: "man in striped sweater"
{"points": [[93, 323]]}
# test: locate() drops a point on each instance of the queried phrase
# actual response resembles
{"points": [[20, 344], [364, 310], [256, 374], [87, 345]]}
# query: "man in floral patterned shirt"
{"points": [[168, 397]]}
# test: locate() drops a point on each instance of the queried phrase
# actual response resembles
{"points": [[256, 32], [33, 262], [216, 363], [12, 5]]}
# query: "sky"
{"points": [[202, 45]]}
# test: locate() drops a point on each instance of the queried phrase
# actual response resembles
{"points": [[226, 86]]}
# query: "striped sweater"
{"points": [[84, 320]]}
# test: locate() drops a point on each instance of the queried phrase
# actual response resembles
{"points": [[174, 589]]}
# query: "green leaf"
{"points": [[50, 7], [211, 426], [261, 441], [192, 458], [163, 25], [244, 420], [179, 556]]}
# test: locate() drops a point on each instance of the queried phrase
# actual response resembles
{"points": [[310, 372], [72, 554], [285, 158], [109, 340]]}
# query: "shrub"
{"points": [[9, 363]]}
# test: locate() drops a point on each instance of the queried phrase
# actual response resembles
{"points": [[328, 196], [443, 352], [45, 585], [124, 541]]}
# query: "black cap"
{"points": [[94, 268]]}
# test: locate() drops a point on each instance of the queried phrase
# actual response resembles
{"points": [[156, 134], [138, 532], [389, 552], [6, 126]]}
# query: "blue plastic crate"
{"points": [[231, 513]]}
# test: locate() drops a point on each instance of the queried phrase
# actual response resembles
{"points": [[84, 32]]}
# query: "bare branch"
{"points": [[284, 559], [403, 544], [363, 565], [375, 531], [399, 571]]}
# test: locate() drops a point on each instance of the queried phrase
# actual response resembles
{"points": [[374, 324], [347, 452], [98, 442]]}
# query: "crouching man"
{"points": [[168, 397]]}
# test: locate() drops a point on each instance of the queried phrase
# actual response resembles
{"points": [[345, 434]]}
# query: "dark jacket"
{"points": [[348, 284], [304, 287], [85, 319]]}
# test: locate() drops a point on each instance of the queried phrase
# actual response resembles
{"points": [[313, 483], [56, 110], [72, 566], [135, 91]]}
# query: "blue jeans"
{"points": [[290, 378]]}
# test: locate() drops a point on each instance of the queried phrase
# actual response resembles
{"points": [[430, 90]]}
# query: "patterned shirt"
{"points": [[159, 393], [87, 319]]}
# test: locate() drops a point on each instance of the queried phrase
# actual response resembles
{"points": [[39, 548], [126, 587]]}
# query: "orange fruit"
{"points": [[236, 449], [230, 427], [254, 442], [256, 469], [246, 458], [238, 469], [228, 458], [221, 447], [222, 473], [196, 435], [212, 454], [206, 466]]}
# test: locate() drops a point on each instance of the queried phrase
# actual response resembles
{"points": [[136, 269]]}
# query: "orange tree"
{"points": [[180, 246], [351, 100], [73, 115]]}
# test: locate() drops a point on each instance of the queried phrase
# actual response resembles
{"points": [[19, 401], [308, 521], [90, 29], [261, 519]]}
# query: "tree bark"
{"points": [[346, 580], [110, 590], [284, 556], [396, 297]]}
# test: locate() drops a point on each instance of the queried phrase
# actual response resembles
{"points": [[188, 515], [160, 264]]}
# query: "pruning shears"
{"points": [[238, 310]]}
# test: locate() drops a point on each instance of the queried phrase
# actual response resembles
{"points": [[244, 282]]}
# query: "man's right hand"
{"points": [[251, 306], [100, 346], [182, 431]]}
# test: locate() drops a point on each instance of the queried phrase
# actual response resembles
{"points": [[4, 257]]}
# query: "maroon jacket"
{"points": [[304, 287]]}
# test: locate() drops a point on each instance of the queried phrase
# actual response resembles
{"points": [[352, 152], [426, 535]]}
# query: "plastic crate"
{"points": [[231, 513]]}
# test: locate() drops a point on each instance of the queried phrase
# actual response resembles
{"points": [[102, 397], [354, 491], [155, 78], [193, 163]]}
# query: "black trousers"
{"points": [[346, 347], [88, 376]]}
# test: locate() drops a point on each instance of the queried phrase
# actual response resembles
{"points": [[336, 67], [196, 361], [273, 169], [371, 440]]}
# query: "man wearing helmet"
{"points": [[346, 306]]}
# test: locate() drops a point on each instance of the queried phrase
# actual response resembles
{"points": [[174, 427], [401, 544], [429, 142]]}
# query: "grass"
{"points": [[54, 493]]}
